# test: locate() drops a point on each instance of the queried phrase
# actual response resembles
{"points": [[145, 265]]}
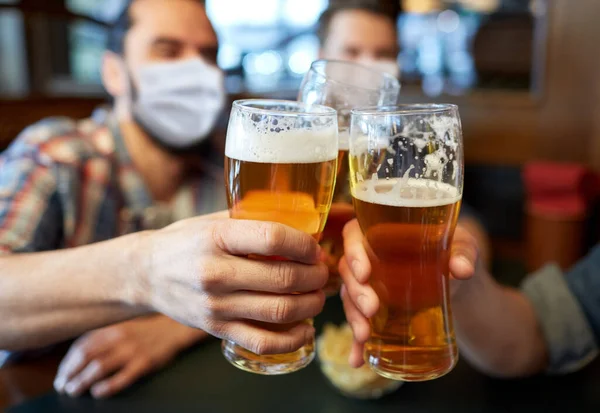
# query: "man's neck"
{"points": [[161, 171]]}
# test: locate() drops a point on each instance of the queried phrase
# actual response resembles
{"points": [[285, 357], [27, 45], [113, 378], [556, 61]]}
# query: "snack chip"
{"points": [[333, 349]]}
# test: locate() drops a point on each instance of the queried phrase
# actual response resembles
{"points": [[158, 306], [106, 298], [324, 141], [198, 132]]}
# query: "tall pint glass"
{"points": [[280, 166], [406, 170], [344, 86]]}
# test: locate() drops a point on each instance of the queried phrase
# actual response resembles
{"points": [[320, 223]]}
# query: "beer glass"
{"points": [[344, 86], [280, 166], [406, 181]]}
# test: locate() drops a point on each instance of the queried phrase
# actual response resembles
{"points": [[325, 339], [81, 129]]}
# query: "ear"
{"points": [[114, 75]]}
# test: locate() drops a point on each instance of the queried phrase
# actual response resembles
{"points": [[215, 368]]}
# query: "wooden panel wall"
{"points": [[562, 122], [18, 114]]}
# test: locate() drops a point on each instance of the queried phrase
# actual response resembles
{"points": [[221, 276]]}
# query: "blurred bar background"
{"points": [[525, 74]]}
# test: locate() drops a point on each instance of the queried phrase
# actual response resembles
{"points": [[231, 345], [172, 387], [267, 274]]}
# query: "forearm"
{"points": [[497, 329], [49, 297]]}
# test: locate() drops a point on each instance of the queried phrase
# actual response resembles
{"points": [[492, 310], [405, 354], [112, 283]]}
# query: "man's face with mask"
{"points": [[167, 77], [363, 37]]}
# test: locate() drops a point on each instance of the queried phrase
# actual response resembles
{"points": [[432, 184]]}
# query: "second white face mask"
{"points": [[179, 103]]}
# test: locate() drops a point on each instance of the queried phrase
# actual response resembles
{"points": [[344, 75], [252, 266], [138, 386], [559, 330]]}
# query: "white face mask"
{"points": [[179, 103], [391, 67]]}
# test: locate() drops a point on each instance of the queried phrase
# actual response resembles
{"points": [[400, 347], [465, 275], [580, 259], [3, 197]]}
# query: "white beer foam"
{"points": [[411, 192], [284, 146]]}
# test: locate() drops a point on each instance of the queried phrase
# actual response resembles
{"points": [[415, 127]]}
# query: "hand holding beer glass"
{"points": [[344, 86], [406, 179], [280, 166]]}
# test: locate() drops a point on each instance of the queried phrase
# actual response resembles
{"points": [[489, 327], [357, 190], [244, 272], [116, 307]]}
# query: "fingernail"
{"points": [[71, 388], [361, 301], [59, 384]]}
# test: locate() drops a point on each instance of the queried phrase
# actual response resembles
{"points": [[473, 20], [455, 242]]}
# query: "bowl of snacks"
{"points": [[333, 349]]}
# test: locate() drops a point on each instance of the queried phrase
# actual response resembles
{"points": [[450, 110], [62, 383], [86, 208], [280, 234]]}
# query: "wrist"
{"points": [[133, 272]]}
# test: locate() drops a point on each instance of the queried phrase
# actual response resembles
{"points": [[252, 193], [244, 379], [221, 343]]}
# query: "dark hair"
{"points": [[121, 26], [388, 9]]}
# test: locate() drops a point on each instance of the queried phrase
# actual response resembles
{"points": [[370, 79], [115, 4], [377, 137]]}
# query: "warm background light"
{"points": [[481, 6], [427, 6], [421, 6]]}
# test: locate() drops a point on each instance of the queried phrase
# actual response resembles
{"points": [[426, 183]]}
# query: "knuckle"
{"points": [[97, 367], [83, 353], [285, 277], [217, 229], [282, 310], [119, 334], [306, 245], [274, 236], [217, 329], [213, 307], [260, 344], [209, 278]]}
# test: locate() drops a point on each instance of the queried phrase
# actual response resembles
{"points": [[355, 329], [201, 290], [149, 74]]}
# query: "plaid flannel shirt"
{"points": [[66, 183]]}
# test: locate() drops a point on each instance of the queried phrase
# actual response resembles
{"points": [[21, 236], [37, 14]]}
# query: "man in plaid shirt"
{"points": [[66, 186], [66, 183]]}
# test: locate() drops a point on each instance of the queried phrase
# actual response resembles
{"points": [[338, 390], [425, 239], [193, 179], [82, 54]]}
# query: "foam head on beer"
{"points": [[264, 138], [406, 183]]}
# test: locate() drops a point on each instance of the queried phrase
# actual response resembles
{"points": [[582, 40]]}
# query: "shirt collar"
{"points": [[140, 210]]}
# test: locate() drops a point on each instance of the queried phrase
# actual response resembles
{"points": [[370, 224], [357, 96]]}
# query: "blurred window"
{"points": [[86, 39], [106, 10], [266, 45], [454, 46], [447, 46], [13, 60]]}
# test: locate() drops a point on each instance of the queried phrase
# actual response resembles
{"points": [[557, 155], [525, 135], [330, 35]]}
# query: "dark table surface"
{"points": [[202, 381]]}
